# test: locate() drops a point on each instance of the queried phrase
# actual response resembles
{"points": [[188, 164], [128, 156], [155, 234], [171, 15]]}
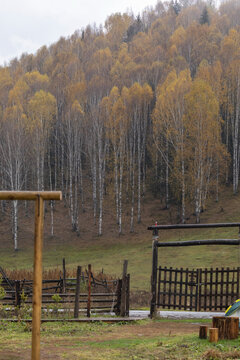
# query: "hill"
{"points": [[108, 252]]}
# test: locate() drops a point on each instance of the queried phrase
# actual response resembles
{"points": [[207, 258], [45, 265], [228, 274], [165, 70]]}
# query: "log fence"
{"points": [[186, 289], [197, 289], [83, 293]]}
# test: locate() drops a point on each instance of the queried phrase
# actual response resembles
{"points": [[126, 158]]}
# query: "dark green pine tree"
{"points": [[204, 18]]}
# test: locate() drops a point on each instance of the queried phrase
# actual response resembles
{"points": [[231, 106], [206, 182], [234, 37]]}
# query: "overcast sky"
{"points": [[26, 25]]}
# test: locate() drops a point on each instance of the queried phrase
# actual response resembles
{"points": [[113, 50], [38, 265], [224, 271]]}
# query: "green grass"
{"points": [[109, 251], [112, 341], [110, 257]]}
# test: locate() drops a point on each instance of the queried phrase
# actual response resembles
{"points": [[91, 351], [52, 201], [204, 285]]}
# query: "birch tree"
{"points": [[203, 145], [13, 150], [168, 120]]}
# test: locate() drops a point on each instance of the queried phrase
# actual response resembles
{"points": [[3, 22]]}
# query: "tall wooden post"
{"points": [[37, 284], [77, 293], [38, 197], [64, 276], [124, 287], [89, 290], [154, 278]]}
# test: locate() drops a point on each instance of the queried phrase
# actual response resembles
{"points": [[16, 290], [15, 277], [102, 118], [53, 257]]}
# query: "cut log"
{"points": [[203, 331], [213, 335], [232, 327], [228, 327]]}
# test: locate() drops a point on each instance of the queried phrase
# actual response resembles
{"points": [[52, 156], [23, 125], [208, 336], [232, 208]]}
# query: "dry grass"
{"points": [[52, 274]]}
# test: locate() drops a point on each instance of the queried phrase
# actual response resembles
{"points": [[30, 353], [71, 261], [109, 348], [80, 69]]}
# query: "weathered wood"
{"points": [[154, 278], [37, 285], [213, 335], [192, 226], [221, 325], [228, 326], [64, 276], [76, 307], [39, 197], [117, 307], [128, 295], [30, 195], [199, 289], [89, 291], [232, 328], [124, 287], [17, 294], [199, 242], [203, 331]]}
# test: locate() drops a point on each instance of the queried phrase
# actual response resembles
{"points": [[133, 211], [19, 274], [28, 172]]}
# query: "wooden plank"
{"points": [[128, 295], [169, 287], [164, 287], [232, 286], [199, 242], [227, 289], [199, 289], [175, 289], [17, 294], [89, 291], [76, 307], [221, 296], [180, 288], [159, 284], [211, 289], [238, 279], [64, 275], [193, 226], [186, 290], [124, 287], [216, 290], [30, 195], [205, 289]]}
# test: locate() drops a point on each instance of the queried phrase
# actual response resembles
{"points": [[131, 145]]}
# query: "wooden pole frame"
{"points": [[38, 197], [156, 244]]}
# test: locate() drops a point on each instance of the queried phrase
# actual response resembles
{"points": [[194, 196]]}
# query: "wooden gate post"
{"points": [[38, 197], [154, 278], [77, 293], [89, 290], [37, 282], [124, 287], [64, 276]]}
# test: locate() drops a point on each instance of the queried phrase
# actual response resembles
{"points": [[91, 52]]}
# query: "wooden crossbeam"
{"points": [[38, 197]]}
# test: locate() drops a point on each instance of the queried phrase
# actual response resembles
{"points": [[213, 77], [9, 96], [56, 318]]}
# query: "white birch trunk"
{"points": [[15, 224]]}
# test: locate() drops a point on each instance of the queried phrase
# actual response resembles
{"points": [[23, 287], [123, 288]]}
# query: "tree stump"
{"points": [[228, 327], [213, 335], [220, 323], [203, 332], [232, 328]]}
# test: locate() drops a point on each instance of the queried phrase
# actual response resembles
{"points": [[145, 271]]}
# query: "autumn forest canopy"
{"points": [[144, 104]]}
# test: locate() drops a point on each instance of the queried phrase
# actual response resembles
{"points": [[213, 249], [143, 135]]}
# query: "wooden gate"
{"points": [[197, 289]]}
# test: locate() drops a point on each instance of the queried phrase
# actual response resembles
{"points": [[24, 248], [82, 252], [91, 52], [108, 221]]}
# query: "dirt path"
{"points": [[73, 344]]}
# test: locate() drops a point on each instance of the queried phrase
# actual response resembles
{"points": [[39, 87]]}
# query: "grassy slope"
{"points": [[109, 251]]}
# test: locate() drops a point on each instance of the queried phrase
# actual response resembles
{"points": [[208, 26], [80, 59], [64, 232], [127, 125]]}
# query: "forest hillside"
{"points": [[126, 119]]}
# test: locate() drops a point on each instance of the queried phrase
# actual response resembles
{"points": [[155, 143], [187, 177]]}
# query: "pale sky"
{"points": [[26, 25]]}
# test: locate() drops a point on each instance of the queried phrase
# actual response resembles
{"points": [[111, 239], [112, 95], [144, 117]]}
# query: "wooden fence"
{"points": [[197, 289], [86, 294]]}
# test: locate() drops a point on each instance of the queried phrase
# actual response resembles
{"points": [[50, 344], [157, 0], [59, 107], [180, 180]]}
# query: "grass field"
{"points": [[148, 340], [109, 251]]}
